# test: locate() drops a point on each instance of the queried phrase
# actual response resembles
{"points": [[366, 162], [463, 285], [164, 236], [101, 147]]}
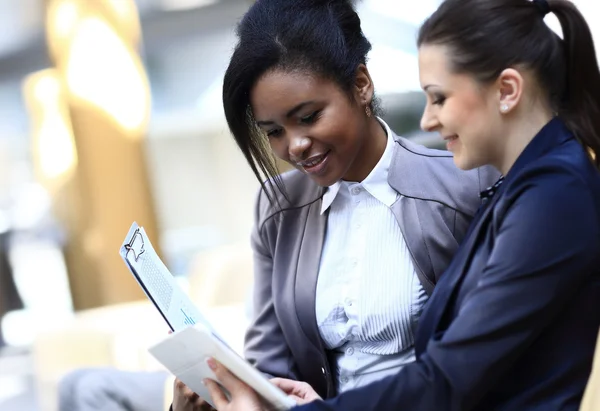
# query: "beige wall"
{"points": [[202, 180]]}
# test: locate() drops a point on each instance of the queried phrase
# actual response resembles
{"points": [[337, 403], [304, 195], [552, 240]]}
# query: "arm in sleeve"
{"points": [[546, 247], [265, 345]]}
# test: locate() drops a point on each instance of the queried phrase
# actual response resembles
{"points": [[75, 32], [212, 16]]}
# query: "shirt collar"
{"points": [[376, 182], [490, 191], [330, 195]]}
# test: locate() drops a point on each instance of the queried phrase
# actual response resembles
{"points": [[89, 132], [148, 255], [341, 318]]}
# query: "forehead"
{"points": [[278, 91], [433, 64], [435, 72]]}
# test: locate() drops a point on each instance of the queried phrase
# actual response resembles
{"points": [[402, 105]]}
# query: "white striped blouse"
{"points": [[368, 296]]}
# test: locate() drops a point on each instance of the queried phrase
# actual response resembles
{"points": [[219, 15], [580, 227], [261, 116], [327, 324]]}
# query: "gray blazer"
{"points": [[436, 204]]}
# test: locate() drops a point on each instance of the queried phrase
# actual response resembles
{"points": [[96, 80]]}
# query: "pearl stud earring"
{"points": [[504, 108]]}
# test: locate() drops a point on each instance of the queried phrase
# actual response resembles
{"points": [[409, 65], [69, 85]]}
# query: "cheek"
{"points": [[279, 148], [481, 136], [463, 114], [470, 119], [482, 123], [341, 136], [336, 130]]}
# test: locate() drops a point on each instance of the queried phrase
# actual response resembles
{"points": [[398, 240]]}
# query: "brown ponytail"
{"points": [[581, 102]]}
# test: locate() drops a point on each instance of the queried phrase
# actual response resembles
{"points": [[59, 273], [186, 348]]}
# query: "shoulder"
{"points": [[553, 204], [564, 171], [555, 197], [431, 175], [422, 151]]}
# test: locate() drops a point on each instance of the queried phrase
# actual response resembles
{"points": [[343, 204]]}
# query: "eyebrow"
{"points": [[429, 86], [289, 114]]}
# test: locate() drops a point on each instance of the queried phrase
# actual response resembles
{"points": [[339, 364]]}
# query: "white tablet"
{"points": [[184, 354]]}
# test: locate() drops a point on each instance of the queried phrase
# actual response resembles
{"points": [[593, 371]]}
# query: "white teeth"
{"points": [[313, 162]]}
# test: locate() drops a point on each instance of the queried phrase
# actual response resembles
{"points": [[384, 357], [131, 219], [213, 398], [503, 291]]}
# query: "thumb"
{"points": [[285, 385], [225, 377], [299, 400]]}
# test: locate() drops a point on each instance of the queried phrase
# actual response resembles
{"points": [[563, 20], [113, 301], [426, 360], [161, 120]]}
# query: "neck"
{"points": [[524, 128], [371, 152]]}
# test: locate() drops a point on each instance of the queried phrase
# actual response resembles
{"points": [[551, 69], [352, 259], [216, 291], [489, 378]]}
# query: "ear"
{"points": [[363, 85], [510, 90]]}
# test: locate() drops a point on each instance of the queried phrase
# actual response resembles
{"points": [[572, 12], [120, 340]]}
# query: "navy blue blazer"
{"points": [[513, 322]]}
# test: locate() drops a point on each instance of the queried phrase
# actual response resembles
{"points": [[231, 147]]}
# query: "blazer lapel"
{"points": [[406, 214], [438, 303], [402, 179], [307, 272]]}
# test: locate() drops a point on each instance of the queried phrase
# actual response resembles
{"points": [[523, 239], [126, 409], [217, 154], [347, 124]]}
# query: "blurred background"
{"points": [[111, 113]]}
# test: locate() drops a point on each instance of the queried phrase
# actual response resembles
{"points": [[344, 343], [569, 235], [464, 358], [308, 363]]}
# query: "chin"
{"points": [[464, 163], [323, 181], [329, 177]]}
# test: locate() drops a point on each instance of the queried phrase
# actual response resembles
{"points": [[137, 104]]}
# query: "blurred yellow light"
{"points": [[47, 90], [65, 15], [123, 8], [56, 153], [53, 142], [103, 71]]}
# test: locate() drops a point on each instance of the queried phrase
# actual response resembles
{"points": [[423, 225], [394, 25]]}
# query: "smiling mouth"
{"points": [[450, 138], [313, 161], [314, 164]]}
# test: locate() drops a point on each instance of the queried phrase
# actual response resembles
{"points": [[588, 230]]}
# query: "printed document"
{"points": [[158, 283]]}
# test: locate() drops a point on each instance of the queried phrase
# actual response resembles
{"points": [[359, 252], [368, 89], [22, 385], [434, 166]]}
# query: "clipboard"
{"points": [[158, 283]]}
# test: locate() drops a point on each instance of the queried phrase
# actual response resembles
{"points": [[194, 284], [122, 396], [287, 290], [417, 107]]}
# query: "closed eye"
{"points": [[311, 118], [439, 100], [274, 133]]}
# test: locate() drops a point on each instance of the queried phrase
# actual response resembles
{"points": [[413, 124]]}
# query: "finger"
{"points": [[216, 393], [189, 394], [178, 384], [298, 400], [291, 387], [284, 384], [226, 378]]}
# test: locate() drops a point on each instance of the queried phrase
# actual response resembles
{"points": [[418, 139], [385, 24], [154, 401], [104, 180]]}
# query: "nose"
{"points": [[429, 121], [298, 147]]}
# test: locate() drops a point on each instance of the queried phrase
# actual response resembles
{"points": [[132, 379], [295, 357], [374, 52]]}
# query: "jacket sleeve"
{"points": [[265, 345], [546, 248]]}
